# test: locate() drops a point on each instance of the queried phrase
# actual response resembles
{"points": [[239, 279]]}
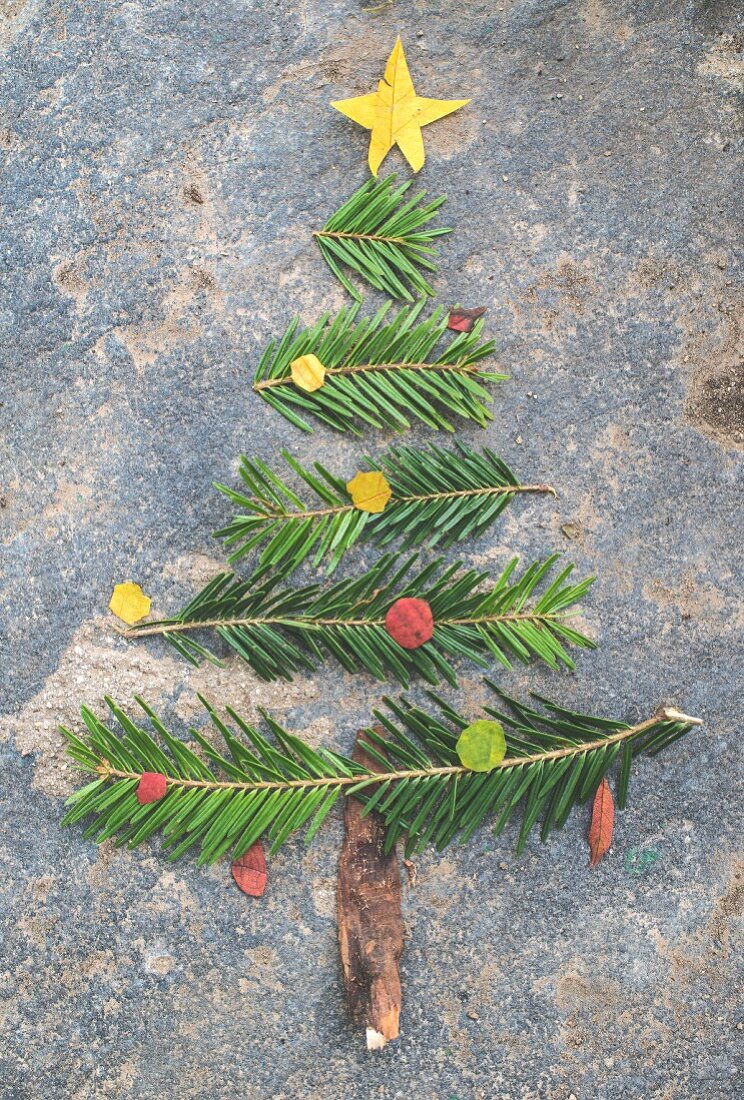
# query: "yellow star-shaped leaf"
{"points": [[395, 114]]}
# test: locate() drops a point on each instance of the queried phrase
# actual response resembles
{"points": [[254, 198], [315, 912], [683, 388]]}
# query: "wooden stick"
{"points": [[370, 924]]}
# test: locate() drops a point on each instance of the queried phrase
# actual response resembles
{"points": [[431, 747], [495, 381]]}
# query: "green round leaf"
{"points": [[481, 745]]}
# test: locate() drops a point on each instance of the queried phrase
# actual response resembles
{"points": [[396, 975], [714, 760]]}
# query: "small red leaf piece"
{"points": [[462, 320], [600, 829], [151, 787], [409, 622], [250, 871]]}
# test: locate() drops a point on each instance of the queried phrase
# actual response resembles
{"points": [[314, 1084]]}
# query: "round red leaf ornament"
{"points": [[409, 622], [151, 787]]}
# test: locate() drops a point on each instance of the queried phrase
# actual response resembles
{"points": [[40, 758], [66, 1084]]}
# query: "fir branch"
{"points": [[555, 758], [439, 497], [380, 373], [280, 631], [382, 239], [277, 784]]}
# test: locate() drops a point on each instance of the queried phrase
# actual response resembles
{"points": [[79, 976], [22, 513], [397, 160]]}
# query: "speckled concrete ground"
{"points": [[162, 165]]}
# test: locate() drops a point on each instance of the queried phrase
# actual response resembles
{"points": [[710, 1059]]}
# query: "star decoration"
{"points": [[395, 114]]}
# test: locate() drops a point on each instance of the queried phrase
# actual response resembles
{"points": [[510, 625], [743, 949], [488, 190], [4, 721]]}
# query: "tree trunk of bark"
{"points": [[370, 924]]}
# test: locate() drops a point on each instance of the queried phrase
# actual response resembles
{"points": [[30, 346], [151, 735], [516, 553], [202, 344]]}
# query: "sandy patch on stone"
{"points": [[98, 662]]}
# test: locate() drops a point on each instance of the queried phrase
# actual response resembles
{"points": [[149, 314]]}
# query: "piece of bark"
{"points": [[370, 924]]}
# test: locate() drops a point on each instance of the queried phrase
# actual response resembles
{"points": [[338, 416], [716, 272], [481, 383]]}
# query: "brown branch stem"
{"points": [[309, 624], [358, 236], [490, 490], [461, 366]]}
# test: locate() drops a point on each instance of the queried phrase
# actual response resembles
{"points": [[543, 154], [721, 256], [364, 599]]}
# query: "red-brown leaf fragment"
{"points": [[600, 829], [250, 871], [462, 320], [151, 787], [409, 622]]}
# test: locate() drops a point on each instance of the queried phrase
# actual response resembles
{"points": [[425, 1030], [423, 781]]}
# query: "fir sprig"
{"points": [[383, 239], [274, 783], [439, 497], [380, 373], [279, 631]]}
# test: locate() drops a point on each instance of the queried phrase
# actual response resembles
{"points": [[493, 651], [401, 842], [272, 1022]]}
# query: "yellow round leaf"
{"points": [[129, 603], [369, 492], [482, 745], [308, 373]]}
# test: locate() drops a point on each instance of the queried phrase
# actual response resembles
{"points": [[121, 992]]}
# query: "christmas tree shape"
{"points": [[424, 775]]}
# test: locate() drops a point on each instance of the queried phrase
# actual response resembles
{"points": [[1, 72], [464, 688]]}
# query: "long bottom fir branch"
{"points": [[441, 774]]}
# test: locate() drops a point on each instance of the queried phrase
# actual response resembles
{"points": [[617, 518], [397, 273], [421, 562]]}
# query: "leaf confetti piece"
{"points": [[249, 871], [395, 114], [308, 373], [370, 492], [129, 603], [600, 829], [462, 320], [409, 622], [151, 787], [482, 745]]}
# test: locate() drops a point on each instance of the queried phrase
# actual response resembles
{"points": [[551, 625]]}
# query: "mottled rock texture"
{"points": [[161, 167]]}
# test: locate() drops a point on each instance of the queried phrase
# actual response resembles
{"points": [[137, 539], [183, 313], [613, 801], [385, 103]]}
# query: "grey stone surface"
{"points": [[161, 167]]}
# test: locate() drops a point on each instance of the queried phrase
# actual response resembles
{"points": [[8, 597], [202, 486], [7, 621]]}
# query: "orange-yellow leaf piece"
{"points": [[129, 603], [395, 114], [600, 829], [370, 492], [308, 373]]}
